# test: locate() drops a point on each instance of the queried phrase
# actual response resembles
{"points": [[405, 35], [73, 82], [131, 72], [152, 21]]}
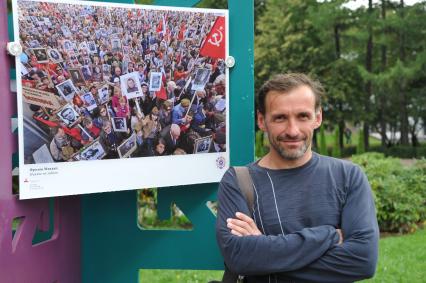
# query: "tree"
{"points": [[336, 147], [369, 69], [360, 148], [322, 142]]}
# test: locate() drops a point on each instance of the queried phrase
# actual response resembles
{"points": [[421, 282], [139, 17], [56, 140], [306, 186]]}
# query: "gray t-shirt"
{"points": [[298, 211]]}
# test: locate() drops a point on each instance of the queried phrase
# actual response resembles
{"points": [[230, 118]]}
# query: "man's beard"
{"points": [[289, 154]]}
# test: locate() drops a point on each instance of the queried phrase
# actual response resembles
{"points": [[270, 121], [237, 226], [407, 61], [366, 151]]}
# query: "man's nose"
{"points": [[292, 128]]}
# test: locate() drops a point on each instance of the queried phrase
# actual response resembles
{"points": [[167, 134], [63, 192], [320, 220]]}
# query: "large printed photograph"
{"points": [[99, 77]]}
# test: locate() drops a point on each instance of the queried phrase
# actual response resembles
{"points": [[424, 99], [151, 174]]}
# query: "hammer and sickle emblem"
{"points": [[216, 38]]}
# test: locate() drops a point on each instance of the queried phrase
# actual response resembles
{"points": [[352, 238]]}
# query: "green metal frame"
{"points": [[114, 248]]}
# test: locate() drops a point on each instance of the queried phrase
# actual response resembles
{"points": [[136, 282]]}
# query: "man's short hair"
{"points": [[87, 121], [287, 82]]}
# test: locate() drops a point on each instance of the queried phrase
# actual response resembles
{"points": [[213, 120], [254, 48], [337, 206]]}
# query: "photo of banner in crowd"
{"points": [[117, 96]]}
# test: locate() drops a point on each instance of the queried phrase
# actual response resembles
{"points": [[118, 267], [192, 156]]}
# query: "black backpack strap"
{"points": [[245, 183], [229, 276]]}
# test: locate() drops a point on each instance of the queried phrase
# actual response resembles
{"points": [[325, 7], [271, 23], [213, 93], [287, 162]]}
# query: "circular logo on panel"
{"points": [[220, 162]]}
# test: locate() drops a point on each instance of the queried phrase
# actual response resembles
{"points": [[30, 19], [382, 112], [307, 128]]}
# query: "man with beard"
{"points": [[313, 217]]}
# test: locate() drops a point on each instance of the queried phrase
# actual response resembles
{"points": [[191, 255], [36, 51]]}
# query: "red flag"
{"points": [[160, 26], [181, 32], [162, 94], [73, 132], [214, 44]]}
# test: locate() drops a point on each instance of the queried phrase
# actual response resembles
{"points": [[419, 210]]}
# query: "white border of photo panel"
{"points": [[123, 85], [58, 179]]}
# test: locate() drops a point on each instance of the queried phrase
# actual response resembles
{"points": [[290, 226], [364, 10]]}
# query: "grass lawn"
{"points": [[401, 259], [178, 276]]}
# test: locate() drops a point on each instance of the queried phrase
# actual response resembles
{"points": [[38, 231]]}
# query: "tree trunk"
{"points": [[369, 68], [315, 141], [341, 121], [402, 91], [382, 99]]}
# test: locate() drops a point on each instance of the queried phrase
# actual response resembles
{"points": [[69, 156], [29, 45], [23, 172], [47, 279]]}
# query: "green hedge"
{"points": [[399, 192], [399, 151]]}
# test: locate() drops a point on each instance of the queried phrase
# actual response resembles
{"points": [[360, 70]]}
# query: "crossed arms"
{"points": [[315, 253]]}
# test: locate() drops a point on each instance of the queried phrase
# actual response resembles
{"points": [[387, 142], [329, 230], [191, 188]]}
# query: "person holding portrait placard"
{"points": [[109, 140], [179, 112], [91, 129], [151, 128]]}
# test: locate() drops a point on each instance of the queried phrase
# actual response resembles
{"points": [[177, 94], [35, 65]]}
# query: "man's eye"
{"points": [[279, 118]]}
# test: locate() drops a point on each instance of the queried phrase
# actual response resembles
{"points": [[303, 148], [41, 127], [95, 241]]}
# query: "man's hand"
{"points": [[243, 225], [339, 231]]}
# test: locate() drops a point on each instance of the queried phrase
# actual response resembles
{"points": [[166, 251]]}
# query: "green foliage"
{"points": [[260, 148], [336, 146], [399, 192], [401, 151], [214, 4], [322, 142], [148, 217], [360, 148], [329, 42], [146, 2]]}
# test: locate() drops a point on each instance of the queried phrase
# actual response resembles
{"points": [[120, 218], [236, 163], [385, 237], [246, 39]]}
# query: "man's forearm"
{"points": [[354, 260], [270, 254]]}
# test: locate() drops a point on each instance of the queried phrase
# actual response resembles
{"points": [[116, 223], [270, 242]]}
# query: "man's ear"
{"points": [[318, 118], [261, 121]]}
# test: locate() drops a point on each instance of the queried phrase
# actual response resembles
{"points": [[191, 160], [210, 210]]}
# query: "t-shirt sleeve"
{"points": [[265, 254], [356, 258]]}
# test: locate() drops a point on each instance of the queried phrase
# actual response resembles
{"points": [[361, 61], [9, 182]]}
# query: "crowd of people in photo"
{"points": [[129, 82]]}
